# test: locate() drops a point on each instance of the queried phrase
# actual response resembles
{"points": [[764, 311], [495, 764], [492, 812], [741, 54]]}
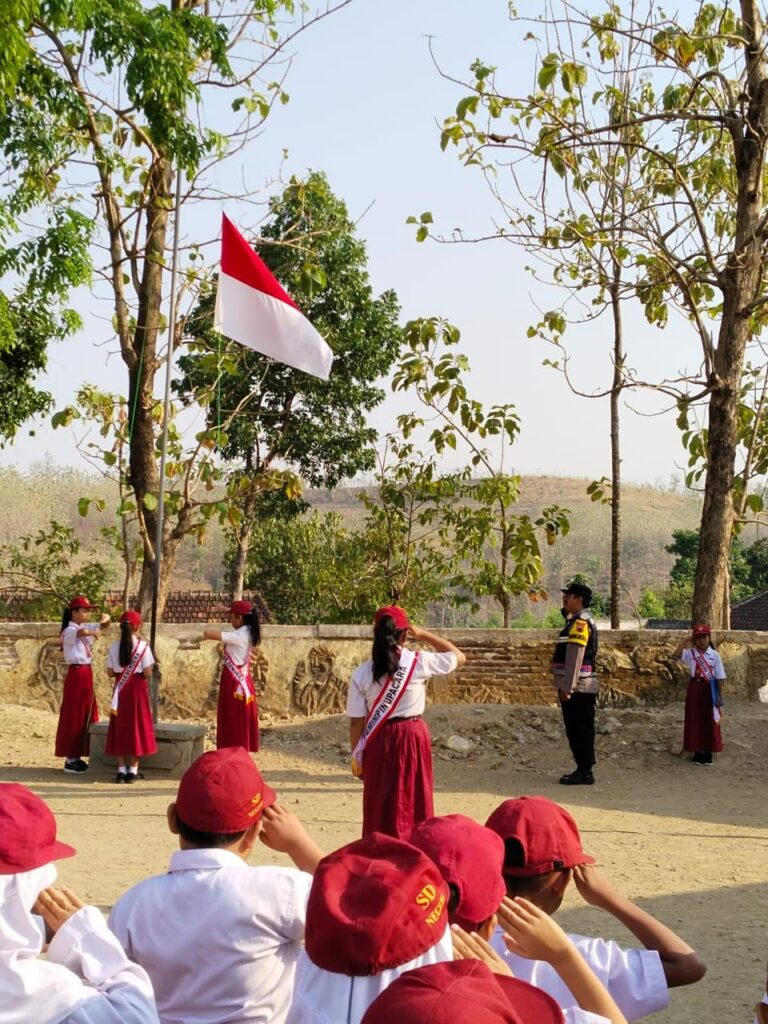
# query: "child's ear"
{"points": [[486, 929], [561, 881], [249, 838], [173, 822]]}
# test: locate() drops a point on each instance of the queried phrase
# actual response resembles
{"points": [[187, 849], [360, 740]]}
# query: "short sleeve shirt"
{"points": [[237, 643], [363, 689], [113, 656], [78, 650], [634, 977], [712, 658]]}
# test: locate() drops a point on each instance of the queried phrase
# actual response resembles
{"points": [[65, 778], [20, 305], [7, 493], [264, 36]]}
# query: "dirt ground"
{"points": [[689, 844]]}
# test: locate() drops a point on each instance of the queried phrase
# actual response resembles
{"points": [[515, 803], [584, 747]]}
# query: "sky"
{"points": [[365, 105]]}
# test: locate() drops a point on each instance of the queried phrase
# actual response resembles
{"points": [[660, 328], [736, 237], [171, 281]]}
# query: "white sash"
{"points": [[244, 690], [128, 671], [709, 675], [386, 703]]}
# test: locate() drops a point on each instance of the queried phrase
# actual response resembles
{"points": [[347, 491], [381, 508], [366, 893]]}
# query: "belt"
{"points": [[403, 718]]}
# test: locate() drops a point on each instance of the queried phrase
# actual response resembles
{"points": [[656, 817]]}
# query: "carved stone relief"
{"points": [[51, 670], [315, 686]]}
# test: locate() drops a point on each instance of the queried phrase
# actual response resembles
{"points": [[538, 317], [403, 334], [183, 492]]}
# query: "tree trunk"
{"points": [[237, 577], [616, 388], [142, 365], [740, 282]]}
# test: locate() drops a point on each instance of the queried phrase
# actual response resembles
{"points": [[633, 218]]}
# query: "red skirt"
{"points": [[131, 732], [78, 710], [237, 720], [397, 778], [700, 730]]}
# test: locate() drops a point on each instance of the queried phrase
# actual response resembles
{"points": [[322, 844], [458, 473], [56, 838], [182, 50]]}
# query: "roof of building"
{"points": [[751, 613]]}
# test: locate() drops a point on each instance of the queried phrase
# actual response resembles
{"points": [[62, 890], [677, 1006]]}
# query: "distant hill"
{"points": [[28, 501]]}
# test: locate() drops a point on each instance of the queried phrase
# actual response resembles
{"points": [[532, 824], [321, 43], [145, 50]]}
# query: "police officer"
{"points": [[573, 667]]}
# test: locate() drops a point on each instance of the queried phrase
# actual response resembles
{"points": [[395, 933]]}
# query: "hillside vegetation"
{"points": [[28, 501]]}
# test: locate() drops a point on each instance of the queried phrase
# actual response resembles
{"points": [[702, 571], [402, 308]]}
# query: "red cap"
{"points": [[27, 831], [374, 904], [240, 608], [471, 859], [547, 833], [132, 617], [397, 614], [461, 992], [702, 630], [79, 602], [223, 792]]}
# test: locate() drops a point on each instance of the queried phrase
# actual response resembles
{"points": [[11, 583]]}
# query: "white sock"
{"points": [[121, 769], [134, 769]]}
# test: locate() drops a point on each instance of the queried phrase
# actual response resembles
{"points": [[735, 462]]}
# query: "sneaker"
{"points": [[83, 764], [75, 767], [129, 777], [120, 777], [578, 778]]}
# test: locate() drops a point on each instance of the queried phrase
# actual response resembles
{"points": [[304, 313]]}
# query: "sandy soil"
{"points": [[690, 844]]}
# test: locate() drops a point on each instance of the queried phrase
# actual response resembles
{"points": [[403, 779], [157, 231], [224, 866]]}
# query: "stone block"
{"points": [[178, 745]]}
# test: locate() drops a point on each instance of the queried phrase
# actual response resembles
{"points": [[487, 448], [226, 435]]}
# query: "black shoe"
{"points": [[578, 778], [120, 777], [129, 777], [75, 767], [83, 764], [699, 757], [707, 761]]}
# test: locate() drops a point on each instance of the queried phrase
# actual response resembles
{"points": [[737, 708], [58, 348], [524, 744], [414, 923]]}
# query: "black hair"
{"points": [[125, 653], [251, 620], [66, 618], [207, 840], [514, 857], [386, 640]]}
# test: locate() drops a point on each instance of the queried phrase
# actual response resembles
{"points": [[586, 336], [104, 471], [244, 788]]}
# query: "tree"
{"points": [[120, 96], [315, 428], [500, 549], [685, 547], [698, 123], [650, 605], [756, 556]]}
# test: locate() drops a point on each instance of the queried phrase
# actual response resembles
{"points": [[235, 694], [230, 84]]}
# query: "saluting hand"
{"points": [[470, 946], [530, 932]]}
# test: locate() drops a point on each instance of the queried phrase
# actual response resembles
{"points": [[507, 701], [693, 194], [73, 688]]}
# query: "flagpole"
{"points": [[156, 675]]}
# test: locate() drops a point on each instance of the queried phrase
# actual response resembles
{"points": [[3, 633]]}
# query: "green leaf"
{"points": [[150, 502]]}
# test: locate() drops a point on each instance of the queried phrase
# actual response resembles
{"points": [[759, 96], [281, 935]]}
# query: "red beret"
{"points": [[27, 831], [547, 833], [397, 614], [471, 860], [374, 904], [223, 792], [461, 992]]}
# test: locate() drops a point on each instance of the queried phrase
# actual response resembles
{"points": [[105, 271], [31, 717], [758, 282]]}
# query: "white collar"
{"points": [[204, 860]]}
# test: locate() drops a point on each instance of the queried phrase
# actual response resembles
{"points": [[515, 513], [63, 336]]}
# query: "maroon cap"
{"points": [[27, 831], [548, 835], [461, 992], [374, 904], [80, 602], [132, 617], [702, 630], [223, 792], [397, 614], [470, 857], [241, 608]]}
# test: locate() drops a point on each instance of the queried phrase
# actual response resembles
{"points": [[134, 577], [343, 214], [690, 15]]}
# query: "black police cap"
{"points": [[579, 590]]}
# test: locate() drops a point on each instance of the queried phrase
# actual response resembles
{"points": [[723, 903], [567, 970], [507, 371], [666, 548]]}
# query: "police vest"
{"points": [[577, 625]]}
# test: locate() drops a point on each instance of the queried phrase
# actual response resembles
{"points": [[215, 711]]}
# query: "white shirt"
{"points": [[116, 991], [113, 657], [710, 656], [634, 977], [219, 938], [78, 650], [238, 643], [363, 690]]}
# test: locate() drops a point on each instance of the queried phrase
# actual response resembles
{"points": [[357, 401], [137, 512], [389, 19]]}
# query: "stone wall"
{"points": [[304, 669]]}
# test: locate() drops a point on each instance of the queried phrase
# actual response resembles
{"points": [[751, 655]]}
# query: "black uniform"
{"points": [[573, 666]]}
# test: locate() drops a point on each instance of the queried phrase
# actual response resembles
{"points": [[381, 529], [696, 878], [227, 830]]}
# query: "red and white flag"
{"points": [[254, 309]]}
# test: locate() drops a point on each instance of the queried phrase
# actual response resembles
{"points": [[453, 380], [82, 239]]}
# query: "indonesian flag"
{"points": [[254, 309]]}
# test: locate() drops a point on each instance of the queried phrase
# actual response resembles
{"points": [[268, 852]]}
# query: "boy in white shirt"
{"points": [[220, 939], [543, 854]]}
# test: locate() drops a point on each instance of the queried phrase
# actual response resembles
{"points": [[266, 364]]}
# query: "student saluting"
{"points": [[237, 718]]}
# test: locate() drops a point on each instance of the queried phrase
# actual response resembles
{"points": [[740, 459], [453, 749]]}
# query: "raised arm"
{"points": [[212, 634], [681, 964], [438, 643]]}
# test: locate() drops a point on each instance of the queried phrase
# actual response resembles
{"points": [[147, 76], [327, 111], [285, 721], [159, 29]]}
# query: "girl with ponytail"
{"points": [[385, 702], [78, 702], [237, 717], [131, 732]]}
